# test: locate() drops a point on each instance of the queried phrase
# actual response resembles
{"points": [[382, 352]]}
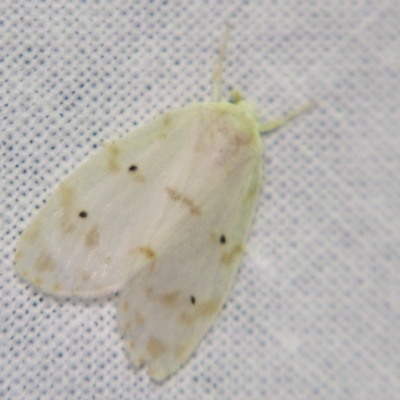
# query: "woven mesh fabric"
{"points": [[315, 310]]}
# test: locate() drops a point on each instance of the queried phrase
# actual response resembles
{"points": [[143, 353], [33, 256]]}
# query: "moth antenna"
{"points": [[290, 116], [217, 75]]}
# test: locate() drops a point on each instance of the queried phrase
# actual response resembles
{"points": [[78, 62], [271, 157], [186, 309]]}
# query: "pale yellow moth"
{"points": [[161, 215]]}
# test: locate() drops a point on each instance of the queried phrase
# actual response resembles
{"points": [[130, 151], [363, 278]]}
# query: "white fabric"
{"points": [[315, 310]]}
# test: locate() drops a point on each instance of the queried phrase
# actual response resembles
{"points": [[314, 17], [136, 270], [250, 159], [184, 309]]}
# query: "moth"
{"points": [[161, 216]]}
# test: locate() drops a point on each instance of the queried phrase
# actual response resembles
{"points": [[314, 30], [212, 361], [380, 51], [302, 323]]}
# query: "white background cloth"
{"points": [[315, 310]]}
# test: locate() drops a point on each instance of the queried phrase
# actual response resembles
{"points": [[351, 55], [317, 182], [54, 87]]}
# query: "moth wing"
{"points": [[166, 308], [87, 240]]}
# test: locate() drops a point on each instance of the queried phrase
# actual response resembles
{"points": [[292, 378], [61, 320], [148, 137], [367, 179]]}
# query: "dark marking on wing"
{"points": [[185, 200]]}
